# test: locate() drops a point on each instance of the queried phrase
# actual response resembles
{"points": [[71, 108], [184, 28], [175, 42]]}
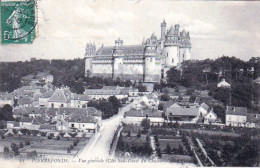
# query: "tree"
{"points": [[176, 125], [77, 87], [180, 149], [21, 145], [142, 88], [129, 133], [6, 151], [165, 97], [115, 101], [160, 106], [145, 123], [27, 142], [6, 113], [139, 133], [32, 154], [173, 76], [15, 148], [220, 112], [159, 153]]}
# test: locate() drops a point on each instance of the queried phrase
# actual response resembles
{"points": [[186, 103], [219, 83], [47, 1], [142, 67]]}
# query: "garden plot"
{"points": [[174, 143]]}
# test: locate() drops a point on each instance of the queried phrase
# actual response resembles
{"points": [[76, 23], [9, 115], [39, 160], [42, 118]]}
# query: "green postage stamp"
{"points": [[18, 22]]}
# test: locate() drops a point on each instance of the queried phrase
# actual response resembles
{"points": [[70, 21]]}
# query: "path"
{"points": [[99, 145]]}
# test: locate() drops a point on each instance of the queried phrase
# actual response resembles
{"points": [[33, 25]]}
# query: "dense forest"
{"points": [[197, 74], [65, 72], [205, 74]]}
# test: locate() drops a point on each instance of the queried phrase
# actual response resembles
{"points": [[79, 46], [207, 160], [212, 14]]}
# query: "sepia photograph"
{"points": [[129, 83]]}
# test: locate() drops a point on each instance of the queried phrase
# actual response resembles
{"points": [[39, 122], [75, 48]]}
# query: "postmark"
{"points": [[18, 22]]}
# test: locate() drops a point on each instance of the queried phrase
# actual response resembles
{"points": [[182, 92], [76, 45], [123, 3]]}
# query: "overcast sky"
{"points": [[65, 26]]}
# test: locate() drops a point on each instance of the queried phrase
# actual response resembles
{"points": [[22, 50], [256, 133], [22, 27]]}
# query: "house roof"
{"points": [[179, 111], [204, 106], [61, 95], [47, 126], [254, 118], [82, 119], [26, 119], [231, 110], [142, 113], [6, 97], [74, 111], [81, 97], [170, 104], [25, 100]]}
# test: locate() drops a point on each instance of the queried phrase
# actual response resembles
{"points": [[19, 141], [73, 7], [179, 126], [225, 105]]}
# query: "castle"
{"points": [[147, 62]]}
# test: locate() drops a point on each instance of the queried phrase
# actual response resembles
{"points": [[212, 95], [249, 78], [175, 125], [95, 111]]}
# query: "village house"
{"points": [[204, 109], [182, 115], [253, 120], [63, 97], [24, 102], [137, 115], [108, 91], [6, 99], [31, 112], [31, 123], [83, 123], [210, 117], [236, 116], [62, 116], [168, 104], [150, 102]]}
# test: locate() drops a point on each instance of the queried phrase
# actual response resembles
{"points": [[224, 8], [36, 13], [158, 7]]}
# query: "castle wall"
{"points": [[88, 66], [133, 68], [104, 69], [152, 69], [184, 54], [171, 55], [118, 66]]}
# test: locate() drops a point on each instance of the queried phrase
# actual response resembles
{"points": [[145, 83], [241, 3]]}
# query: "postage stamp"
{"points": [[18, 22]]}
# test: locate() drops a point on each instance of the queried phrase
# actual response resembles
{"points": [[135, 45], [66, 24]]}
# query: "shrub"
{"points": [[6, 151], [159, 153], [75, 143], [58, 138], [15, 131], [129, 133], [21, 145], [139, 133], [168, 149], [27, 142], [2, 137], [15, 148], [71, 147]]}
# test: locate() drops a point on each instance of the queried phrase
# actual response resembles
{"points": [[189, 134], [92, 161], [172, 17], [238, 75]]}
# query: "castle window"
{"points": [[167, 54], [172, 60], [151, 59]]}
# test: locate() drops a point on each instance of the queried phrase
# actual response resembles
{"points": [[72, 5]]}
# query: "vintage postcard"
{"points": [[129, 83]]}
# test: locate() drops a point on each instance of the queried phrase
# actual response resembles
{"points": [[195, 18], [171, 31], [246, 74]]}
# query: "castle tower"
{"points": [[152, 63], [171, 47], [163, 32], [118, 55], [89, 55], [185, 46]]}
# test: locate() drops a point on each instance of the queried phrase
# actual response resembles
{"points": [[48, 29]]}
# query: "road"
{"points": [[99, 145]]}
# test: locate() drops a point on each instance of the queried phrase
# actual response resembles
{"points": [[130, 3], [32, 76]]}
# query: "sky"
{"points": [[65, 26]]}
